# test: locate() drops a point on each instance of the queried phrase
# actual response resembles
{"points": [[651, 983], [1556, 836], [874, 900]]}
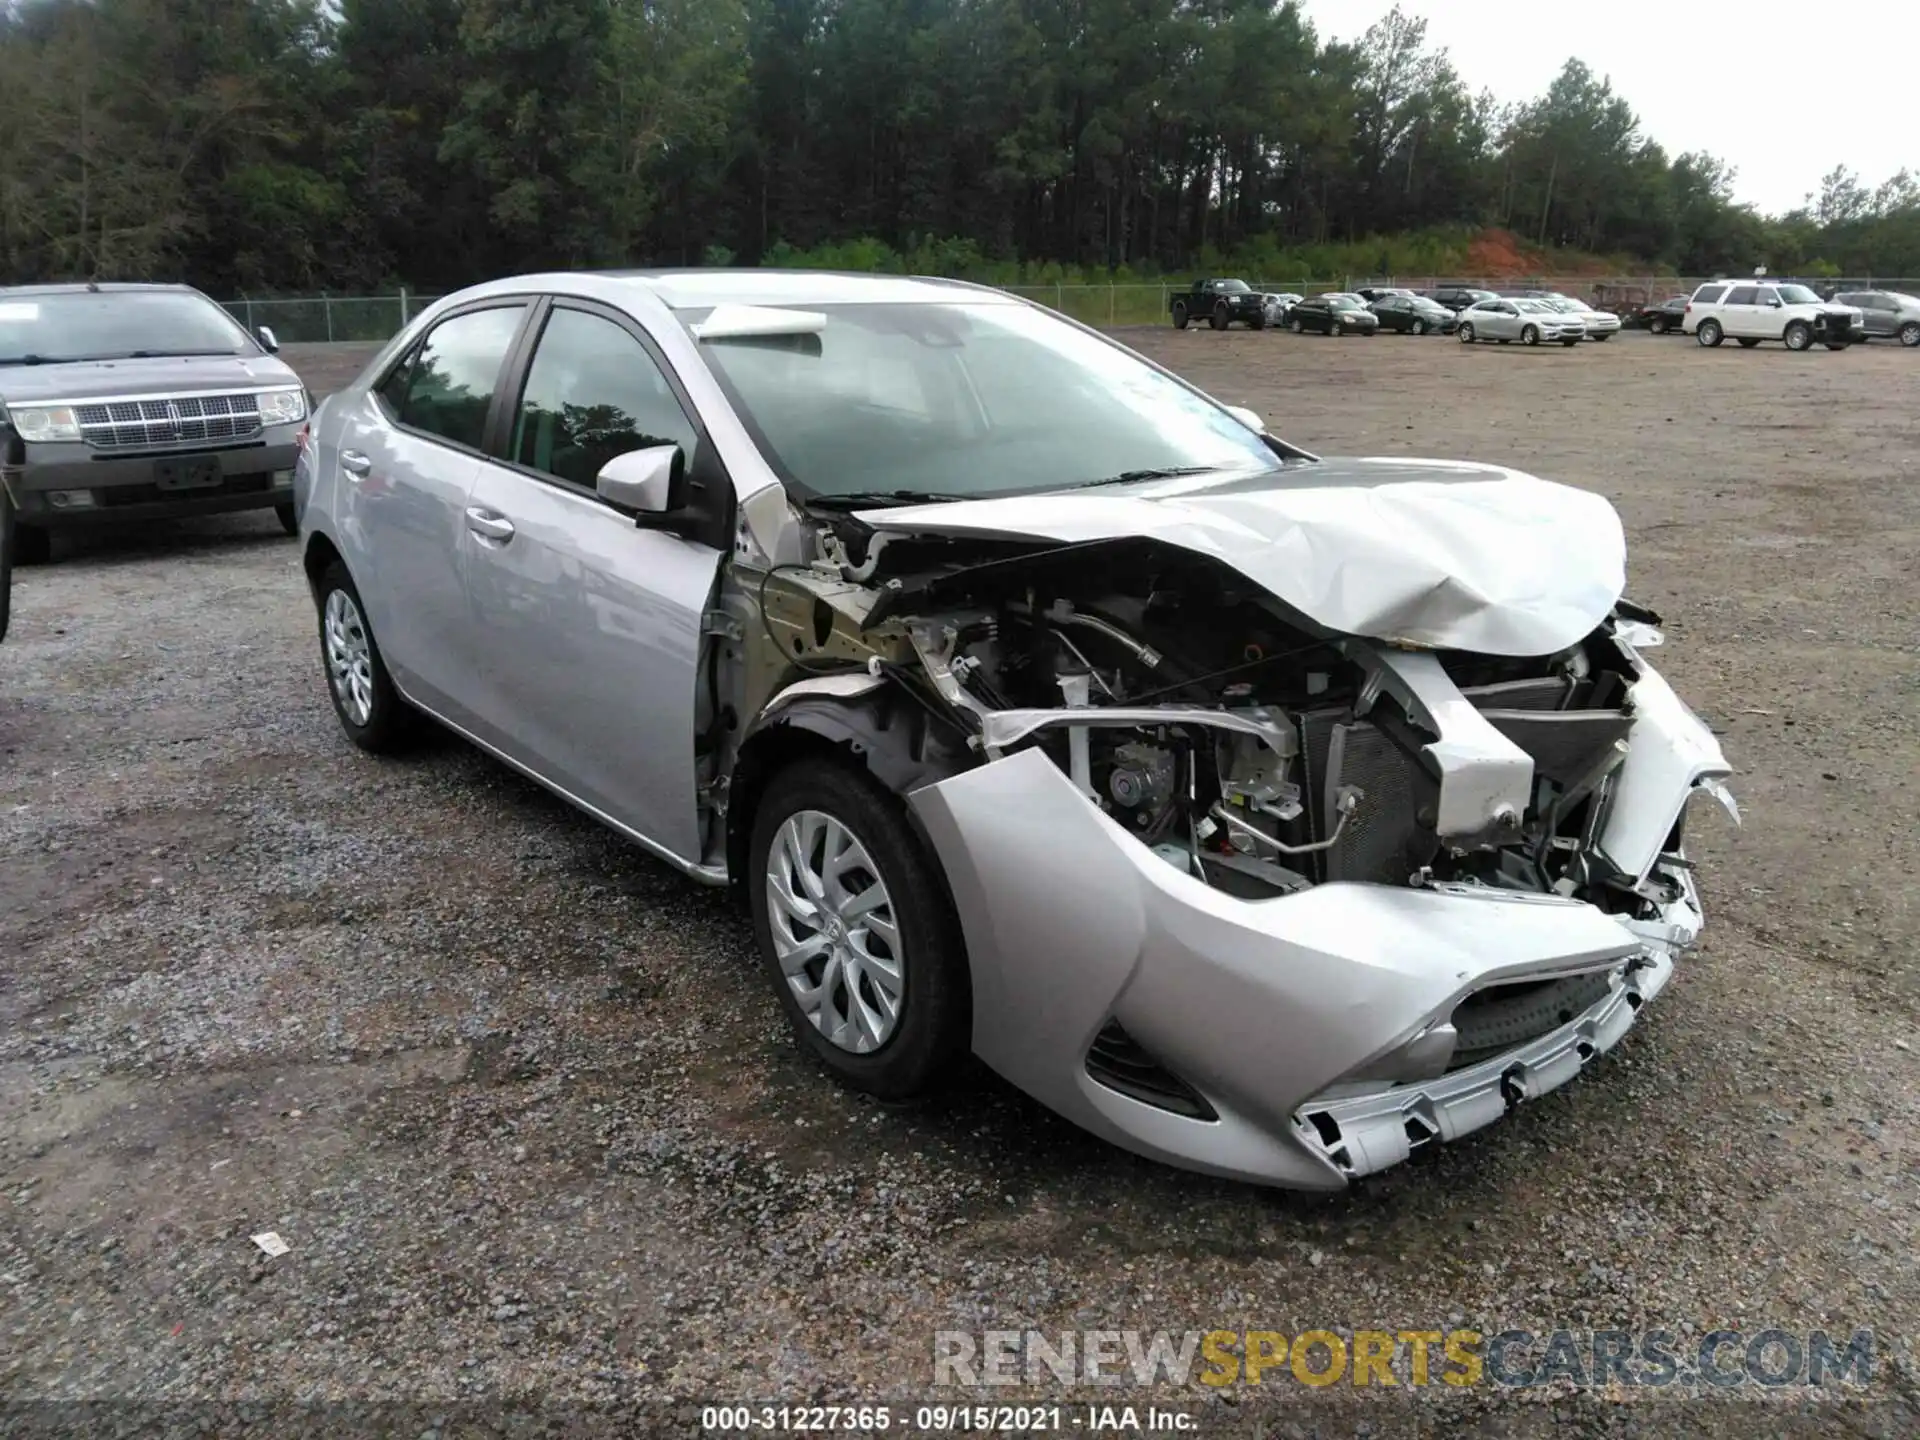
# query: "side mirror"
{"points": [[1249, 418], [264, 334], [652, 481]]}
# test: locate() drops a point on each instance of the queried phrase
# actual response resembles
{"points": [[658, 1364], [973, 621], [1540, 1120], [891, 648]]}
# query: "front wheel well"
{"points": [[890, 735]]}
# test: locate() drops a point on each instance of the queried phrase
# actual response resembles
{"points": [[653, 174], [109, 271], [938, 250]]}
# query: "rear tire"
{"points": [[931, 1021], [289, 521], [6, 560], [1748, 344], [1569, 344], [369, 708], [1837, 344], [1658, 325], [1296, 327], [1709, 334]]}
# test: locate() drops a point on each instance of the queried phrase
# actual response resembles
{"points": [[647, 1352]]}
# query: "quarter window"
{"points": [[593, 392], [453, 376]]}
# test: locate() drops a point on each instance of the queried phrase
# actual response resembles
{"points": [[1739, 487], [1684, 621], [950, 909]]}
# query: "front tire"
{"points": [[289, 520], [1910, 334], [1180, 316], [1798, 335], [369, 708], [1570, 344], [855, 931], [1709, 334], [1222, 317], [1419, 327], [1465, 332], [32, 544], [1530, 335]]}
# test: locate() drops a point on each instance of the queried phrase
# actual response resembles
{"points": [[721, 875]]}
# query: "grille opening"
{"points": [[1117, 1061]]}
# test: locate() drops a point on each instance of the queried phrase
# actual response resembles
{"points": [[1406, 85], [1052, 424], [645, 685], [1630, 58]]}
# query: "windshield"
{"points": [[1238, 287], [1534, 307], [1798, 295], [965, 399], [114, 324], [1345, 302]]}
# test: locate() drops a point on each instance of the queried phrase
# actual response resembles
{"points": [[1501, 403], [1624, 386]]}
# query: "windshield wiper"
{"points": [[1127, 477], [166, 354], [32, 360], [876, 499]]}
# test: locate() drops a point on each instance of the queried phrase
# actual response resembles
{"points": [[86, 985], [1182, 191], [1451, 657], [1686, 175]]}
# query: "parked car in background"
{"points": [[1665, 317], [1337, 314], [1277, 306], [1528, 321], [138, 402], [1752, 311], [1457, 298], [1413, 315], [1268, 815], [1885, 314], [1600, 324], [1371, 293], [1220, 303]]}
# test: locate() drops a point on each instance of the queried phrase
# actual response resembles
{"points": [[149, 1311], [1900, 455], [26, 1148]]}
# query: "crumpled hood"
{"points": [[1435, 553], [166, 375]]}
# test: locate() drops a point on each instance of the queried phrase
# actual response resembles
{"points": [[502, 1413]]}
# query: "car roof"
{"points": [[694, 289], [82, 287]]}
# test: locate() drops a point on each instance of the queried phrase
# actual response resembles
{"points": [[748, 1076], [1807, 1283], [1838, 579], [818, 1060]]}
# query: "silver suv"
{"points": [[134, 402], [1269, 815]]}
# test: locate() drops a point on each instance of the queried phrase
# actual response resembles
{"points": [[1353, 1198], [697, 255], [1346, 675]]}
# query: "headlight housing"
{"points": [[44, 423], [282, 407]]}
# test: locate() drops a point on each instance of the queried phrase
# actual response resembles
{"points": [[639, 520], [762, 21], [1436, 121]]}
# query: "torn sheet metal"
{"points": [[1431, 553]]}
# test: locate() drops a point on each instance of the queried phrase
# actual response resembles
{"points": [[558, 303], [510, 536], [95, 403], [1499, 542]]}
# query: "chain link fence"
{"points": [[334, 318]]}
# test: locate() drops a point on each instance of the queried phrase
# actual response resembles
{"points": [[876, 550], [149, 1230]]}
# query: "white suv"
{"points": [[1763, 310]]}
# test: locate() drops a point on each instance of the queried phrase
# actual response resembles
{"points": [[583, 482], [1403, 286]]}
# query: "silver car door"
{"points": [[1503, 321], [590, 675], [408, 456]]}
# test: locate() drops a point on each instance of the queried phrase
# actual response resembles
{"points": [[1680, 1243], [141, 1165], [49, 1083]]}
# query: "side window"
{"points": [[392, 392], [1744, 295], [454, 375], [1709, 294], [593, 392]]}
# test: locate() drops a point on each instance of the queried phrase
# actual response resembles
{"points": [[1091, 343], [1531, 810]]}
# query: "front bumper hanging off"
{"points": [[1268, 1009]]}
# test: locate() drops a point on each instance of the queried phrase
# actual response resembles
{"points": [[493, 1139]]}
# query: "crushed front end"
{"points": [[1255, 897]]}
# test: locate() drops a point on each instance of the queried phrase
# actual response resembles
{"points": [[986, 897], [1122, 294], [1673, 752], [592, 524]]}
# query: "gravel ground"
{"points": [[519, 1101]]}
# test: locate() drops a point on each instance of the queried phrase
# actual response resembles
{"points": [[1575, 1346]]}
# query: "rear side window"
{"points": [[593, 392], [454, 374], [1709, 294]]}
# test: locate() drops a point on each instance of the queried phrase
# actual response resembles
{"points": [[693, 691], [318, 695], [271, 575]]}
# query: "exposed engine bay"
{"points": [[1241, 744]]}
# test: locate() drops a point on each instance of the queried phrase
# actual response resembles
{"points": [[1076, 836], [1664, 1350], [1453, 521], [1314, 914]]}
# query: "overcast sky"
{"points": [[1659, 56]]}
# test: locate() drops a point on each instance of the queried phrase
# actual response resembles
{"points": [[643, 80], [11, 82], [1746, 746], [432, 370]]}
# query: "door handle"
{"points": [[354, 463], [488, 525]]}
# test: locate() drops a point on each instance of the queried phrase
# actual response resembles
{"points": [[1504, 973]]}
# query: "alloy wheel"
{"points": [[834, 931], [349, 657]]}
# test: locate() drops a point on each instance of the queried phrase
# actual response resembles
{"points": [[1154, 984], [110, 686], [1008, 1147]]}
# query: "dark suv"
{"points": [[1458, 297], [135, 402]]}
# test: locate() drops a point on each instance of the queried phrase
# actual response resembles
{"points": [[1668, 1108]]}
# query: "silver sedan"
{"points": [[1528, 321], [1268, 815]]}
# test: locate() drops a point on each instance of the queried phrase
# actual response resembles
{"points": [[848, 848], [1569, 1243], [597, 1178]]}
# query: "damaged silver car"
{"points": [[1270, 815]]}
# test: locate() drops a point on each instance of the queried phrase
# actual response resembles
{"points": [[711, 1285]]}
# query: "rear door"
{"points": [[590, 678], [408, 457], [1741, 314]]}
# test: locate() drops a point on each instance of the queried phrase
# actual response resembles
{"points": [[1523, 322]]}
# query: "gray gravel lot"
{"points": [[519, 1100]]}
